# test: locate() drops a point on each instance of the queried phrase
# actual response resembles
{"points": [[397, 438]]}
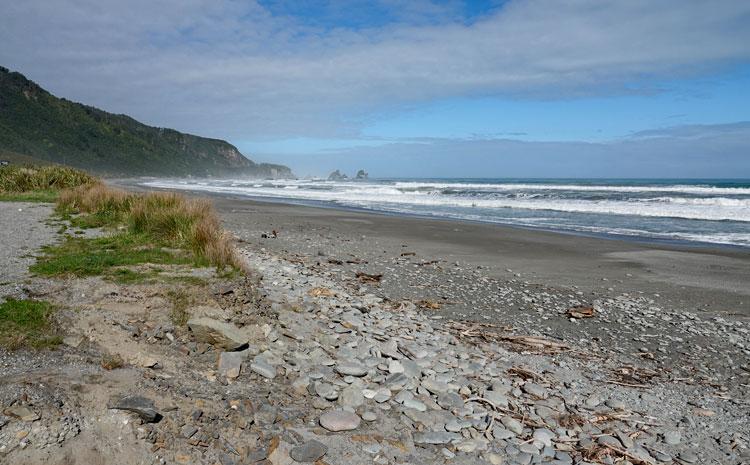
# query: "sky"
{"points": [[488, 88]]}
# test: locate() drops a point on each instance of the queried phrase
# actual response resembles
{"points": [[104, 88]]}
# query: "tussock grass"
{"points": [[147, 224], [27, 323], [39, 183]]}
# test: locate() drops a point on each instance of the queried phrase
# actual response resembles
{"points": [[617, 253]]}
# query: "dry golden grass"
{"points": [[95, 198], [168, 218]]}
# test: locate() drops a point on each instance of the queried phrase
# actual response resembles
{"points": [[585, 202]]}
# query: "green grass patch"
{"points": [[47, 196], [27, 323], [78, 256]]}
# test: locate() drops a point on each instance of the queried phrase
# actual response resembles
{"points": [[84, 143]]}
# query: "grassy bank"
{"points": [[151, 237], [151, 228], [39, 183]]}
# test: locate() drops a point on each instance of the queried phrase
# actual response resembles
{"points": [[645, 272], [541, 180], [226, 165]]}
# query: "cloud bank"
{"points": [[236, 69]]}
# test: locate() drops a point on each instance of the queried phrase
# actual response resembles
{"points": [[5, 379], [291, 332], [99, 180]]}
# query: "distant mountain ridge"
{"points": [[34, 122]]}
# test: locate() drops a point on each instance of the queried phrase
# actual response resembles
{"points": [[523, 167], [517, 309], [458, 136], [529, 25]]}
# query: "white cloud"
{"points": [[231, 69]]}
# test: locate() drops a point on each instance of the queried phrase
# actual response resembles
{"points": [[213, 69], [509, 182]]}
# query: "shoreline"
{"points": [[693, 276], [641, 239]]}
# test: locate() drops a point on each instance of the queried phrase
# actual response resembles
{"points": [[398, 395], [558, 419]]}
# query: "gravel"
{"points": [[22, 233]]}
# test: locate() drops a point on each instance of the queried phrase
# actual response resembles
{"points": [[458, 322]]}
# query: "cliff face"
{"points": [[36, 123]]}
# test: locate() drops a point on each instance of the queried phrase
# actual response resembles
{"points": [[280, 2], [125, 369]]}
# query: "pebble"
{"points": [[339, 420], [263, 368], [672, 437], [351, 369], [309, 451], [512, 424]]}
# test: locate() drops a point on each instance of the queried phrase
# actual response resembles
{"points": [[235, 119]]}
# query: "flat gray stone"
{"points": [[435, 387], [309, 451], [351, 396], [512, 424], [339, 420], [672, 437], [263, 368], [230, 363], [139, 405], [188, 431], [351, 369], [217, 333]]}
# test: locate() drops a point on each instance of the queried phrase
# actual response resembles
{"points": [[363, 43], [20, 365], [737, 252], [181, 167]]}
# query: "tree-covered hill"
{"points": [[35, 123]]}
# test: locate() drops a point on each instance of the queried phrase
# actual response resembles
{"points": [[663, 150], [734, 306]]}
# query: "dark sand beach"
{"points": [[668, 300]]}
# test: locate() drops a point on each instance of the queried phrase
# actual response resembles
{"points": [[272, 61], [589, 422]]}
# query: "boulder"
{"points": [[218, 333], [139, 405], [337, 176]]}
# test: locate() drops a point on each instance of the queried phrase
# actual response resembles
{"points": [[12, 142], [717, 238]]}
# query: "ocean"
{"points": [[694, 211]]}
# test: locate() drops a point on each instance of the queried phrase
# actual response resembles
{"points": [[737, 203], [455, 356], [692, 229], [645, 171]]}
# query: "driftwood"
{"points": [[368, 278]]}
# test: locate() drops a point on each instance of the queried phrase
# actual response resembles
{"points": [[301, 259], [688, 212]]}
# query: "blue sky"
{"points": [[405, 87]]}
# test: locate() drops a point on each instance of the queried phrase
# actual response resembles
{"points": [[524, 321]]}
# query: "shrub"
{"points": [[30, 178]]}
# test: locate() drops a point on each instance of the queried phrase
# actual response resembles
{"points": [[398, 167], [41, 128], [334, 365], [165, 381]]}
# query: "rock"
{"points": [[435, 437], [415, 404], [608, 441], [188, 431], [544, 437], [435, 387], [139, 405], [21, 412], [73, 341], [339, 420], [337, 176], [351, 369], [279, 453], [471, 445], [309, 451], [497, 398], [351, 396], [369, 416], [263, 368], [146, 361], [615, 404], [512, 424], [361, 175], [495, 459], [394, 366], [535, 390], [218, 333], [230, 363], [672, 437], [326, 391]]}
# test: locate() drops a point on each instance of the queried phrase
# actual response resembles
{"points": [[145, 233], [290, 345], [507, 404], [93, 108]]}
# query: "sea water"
{"points": [[695, 210]]}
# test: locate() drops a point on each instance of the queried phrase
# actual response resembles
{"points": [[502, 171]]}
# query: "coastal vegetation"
{"points": [[39, 183], [39, 125], [27, 323], [129, 238], [151, 228]]}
